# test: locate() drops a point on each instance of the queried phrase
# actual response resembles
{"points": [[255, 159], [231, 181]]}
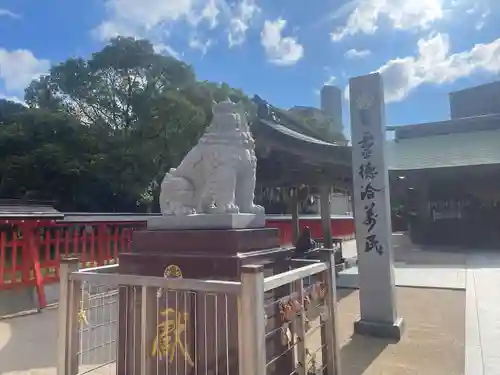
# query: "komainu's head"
{"points": [[228, 116]]}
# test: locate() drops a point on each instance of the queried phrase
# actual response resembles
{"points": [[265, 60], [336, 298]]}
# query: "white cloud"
{"points": [[8, 13], [153, 19], [482, 19], [211, 13], [130, 17], [280, 50], [435, 64], [330, 80], [19, 67], [197, 43], [163, 48], [357, 54], [401, 14], [240, 21]]}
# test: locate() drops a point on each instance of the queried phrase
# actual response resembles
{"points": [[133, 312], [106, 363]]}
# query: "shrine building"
{"points": [[445, 176]]}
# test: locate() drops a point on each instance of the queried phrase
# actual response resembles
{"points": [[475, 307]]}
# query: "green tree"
{"points": [[114, 87], [52, 157], [319, 124], [8, 109], [145, 103], [204, 93]]}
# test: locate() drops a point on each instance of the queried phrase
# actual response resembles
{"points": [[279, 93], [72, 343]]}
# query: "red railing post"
{"points": [[31, 257], [26, 258], [101, 243]]}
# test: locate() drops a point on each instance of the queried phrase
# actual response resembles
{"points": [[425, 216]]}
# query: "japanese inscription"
{"points": [[371, 216], [368, 191], [367, 143], [368, 172], [171, 332], [171, 336]]}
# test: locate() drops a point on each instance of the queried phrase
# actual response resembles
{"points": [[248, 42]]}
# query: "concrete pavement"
{"points": [[474, 270], [482, 326]]}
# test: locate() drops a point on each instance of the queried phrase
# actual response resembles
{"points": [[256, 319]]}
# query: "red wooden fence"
{"points": [[30, 250]]}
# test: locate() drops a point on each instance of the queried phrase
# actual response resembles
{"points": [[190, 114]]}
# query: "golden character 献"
{"points": [[170, 334]]}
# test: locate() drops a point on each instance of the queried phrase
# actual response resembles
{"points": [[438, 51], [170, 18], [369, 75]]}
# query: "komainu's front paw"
{"points": [[185, 211], [232, 209], [224, 209], [256, 209]]}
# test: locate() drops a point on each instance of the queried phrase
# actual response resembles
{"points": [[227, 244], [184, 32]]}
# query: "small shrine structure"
{"points": [[298, 163]]}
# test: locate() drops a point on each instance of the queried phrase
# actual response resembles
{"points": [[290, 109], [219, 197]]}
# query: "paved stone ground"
{"points": [[483, 314], [433, 341], [475, 270]]}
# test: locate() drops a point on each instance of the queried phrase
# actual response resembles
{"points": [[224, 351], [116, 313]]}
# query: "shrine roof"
{"points": [[274, 128], [22, 209], [453, 126], [469, 148]]}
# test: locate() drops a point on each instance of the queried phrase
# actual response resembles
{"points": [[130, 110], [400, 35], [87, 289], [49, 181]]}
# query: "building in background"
{"points": [[475, 101], [326, 121], [331, 104], [447, 174]]}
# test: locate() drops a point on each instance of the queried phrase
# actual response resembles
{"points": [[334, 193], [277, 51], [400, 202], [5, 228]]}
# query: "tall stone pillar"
{"points": [[372, 212]]}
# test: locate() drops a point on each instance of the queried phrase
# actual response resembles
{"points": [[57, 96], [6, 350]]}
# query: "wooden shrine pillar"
{"points": [[294, 207], [324, 201]]}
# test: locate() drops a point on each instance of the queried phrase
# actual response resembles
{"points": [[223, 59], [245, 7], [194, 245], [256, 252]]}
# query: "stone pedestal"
{"points": [[206, 323], [203, 221]]}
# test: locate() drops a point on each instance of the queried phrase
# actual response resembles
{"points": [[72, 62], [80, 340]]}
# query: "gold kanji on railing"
{"points": [[171, 336]]}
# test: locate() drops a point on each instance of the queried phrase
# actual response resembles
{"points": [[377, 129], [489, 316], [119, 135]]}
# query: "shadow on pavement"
{"points": [[359, 353], [344, 292]]}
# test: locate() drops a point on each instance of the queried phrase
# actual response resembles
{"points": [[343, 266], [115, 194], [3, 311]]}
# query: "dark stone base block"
{"points": [[380, 329], [207, 242]]}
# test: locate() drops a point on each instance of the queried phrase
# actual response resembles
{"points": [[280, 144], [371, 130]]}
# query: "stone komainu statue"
{"points": [[218, 174]]}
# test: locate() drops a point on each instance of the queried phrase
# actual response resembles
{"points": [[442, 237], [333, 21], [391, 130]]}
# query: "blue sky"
{"points": [[282, 50]]}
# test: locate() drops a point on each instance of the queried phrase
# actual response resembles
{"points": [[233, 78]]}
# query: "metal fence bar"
{"points": [[144, 330], [251, 322], [333, 350], [110, 268], [251, 314], [211, 286], [300, 328], [67, 266], [75, 296], [289, 277]]}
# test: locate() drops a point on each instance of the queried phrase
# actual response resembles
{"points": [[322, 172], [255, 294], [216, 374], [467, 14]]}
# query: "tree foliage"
{"points": [[148, 109], [321, 125], [98, 134], [51, 157]]}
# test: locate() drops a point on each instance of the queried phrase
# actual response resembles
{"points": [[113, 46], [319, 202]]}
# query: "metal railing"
{"points": [[111, 323]]}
